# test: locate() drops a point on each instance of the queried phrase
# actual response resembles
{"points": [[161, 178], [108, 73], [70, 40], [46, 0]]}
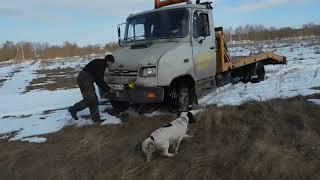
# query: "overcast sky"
{"points": [[95, 21]]}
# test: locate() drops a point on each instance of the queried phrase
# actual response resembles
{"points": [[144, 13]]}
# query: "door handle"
{"points": [[186, 60], [212, 47]]}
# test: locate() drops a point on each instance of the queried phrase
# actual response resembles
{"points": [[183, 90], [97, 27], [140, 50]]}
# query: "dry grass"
{"points": [[270, 140], [278, 139]]}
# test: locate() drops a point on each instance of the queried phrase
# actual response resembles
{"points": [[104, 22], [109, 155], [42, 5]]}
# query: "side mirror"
{"points": [[119, 33]]}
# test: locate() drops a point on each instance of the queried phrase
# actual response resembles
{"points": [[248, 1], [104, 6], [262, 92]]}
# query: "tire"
{"points": [[260, 73], [179, 97], [120, 106], [184, 98], [246, 78]]}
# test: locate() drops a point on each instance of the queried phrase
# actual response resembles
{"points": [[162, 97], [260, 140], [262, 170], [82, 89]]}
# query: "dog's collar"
{"points": [[152, 138]]}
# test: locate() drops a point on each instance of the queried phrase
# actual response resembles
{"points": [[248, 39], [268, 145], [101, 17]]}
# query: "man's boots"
{"points": [[73, 113], [96, 118]]}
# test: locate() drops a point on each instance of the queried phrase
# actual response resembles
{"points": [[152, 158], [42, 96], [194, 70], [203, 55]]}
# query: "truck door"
{"points": [[203, 42]]}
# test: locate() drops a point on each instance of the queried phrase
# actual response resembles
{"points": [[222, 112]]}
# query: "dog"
{"points": [[170, 135]]}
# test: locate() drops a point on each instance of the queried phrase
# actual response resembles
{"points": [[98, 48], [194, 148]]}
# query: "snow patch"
{"points": [[36, 124], [109, 119], [37, 101], [315, 101], [80, 123], [157, 113], [77, 63], [34, 140], [20, 80]]}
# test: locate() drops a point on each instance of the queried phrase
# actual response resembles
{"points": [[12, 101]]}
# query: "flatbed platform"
{"points": [[267, 57], [227, 63]]}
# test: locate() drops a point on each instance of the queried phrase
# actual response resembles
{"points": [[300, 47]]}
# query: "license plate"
{"points": [[117, 86]]}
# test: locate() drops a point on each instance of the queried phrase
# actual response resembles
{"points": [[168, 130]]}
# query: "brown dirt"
{"points": [[278, 139], [53, 80]]}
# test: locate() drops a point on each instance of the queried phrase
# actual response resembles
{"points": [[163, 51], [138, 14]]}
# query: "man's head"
{"points": [[110, 59]]}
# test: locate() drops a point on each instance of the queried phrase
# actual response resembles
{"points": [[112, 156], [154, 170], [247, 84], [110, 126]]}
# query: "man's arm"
{"points": [[102, 84]]}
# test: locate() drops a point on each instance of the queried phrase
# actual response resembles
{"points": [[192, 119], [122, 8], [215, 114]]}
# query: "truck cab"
{"points": [[166, 54]]}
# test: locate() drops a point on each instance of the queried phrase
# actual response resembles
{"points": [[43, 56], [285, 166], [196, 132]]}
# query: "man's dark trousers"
{"points": [[90, 99]]}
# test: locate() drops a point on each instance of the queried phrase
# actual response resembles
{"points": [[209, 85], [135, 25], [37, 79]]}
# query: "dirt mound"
{"points": [[278, 139]]}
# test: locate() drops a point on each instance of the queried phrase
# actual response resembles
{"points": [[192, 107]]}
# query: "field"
{"points": [[269, 130]]}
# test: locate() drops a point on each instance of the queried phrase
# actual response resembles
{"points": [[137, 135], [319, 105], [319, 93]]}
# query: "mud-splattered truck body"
{"points": [[173, 54]]}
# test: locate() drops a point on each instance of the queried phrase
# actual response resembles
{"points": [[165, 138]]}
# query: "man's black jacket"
{"points": [[97, 68]]}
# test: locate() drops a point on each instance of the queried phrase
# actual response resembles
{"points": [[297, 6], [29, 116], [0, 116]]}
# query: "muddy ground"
{"points": [[54, 79], [278, 139]]}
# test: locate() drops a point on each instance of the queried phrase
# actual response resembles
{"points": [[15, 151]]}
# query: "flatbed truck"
{"points": [[173, 54]]}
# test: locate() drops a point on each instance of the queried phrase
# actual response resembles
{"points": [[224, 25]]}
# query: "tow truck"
{"points": [[173, 54]]}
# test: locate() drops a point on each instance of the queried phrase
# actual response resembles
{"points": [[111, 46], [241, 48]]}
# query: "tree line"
{"points": [[260, 32], [27, 50]]}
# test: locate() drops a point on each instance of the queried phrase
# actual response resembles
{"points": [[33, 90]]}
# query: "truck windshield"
{"points": [[159, 25]]}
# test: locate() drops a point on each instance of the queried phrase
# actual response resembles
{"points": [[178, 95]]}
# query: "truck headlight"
{"points": [[148, 71]]}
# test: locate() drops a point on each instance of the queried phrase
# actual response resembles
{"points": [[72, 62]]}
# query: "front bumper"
{"points": [[138, 95]]}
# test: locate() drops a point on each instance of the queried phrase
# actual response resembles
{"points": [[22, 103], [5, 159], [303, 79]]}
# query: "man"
{"points": [[92, 72]]}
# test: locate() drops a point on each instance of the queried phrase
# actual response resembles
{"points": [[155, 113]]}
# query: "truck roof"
{"points": [[178, 6]]}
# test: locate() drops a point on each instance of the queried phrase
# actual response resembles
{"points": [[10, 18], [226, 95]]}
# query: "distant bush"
{"points": [[27, 50], [260, 32]]}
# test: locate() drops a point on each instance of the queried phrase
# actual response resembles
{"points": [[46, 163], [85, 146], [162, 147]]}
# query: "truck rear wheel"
{"points": [[120, 106], [246, 78], [259, 73]]}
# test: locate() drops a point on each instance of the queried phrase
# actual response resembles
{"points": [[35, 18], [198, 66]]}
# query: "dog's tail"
{"points": [[148, 147], [147, 144]]}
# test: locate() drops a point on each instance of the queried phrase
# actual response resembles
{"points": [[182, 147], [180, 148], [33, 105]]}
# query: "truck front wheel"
{"points": [[179, 99], [184, 98], [119, 106]]}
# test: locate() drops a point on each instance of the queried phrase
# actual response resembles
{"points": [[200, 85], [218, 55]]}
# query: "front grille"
{"points": [[123, 73]]}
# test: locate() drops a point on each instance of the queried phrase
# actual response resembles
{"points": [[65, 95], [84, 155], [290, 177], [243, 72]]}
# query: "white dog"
{"points": [[164, 137]]}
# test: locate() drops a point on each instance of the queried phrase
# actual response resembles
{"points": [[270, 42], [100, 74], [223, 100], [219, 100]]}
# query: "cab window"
{"points": [[201, 25]]}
